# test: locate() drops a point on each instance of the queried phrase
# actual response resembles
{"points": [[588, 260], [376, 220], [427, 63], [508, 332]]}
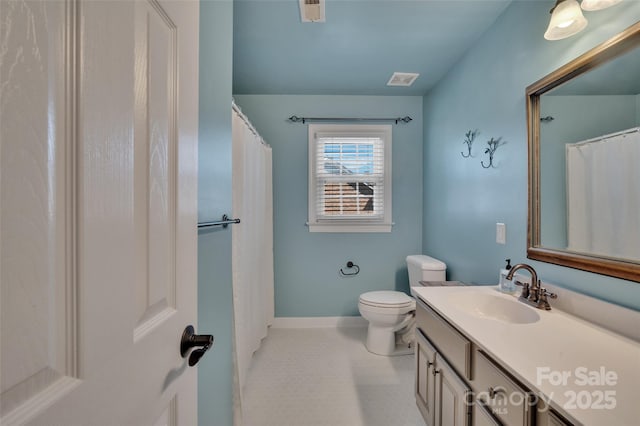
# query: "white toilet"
{"points": [[391, 313]]}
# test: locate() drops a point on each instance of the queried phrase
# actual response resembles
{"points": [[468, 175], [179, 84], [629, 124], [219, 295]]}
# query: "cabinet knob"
{"points": [[435, 371], [493, 392]]}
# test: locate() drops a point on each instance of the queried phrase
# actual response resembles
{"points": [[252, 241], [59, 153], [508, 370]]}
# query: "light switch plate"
{"points": [[501, 233]]}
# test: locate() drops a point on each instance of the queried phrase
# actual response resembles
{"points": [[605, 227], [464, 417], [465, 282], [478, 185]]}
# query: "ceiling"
{"points": [[357, 49]]}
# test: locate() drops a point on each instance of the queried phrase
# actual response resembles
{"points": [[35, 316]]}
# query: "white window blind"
{"points": [[349, 178]]}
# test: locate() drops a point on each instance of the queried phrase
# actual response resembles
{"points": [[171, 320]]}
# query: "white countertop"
{"points": [[557, 343]]}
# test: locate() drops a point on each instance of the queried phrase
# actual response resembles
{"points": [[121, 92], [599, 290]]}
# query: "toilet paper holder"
{"points": [[350, 265]]}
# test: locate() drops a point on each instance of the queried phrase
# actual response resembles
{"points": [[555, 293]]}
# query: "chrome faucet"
{"points": [[528, 292], [532, 294]]}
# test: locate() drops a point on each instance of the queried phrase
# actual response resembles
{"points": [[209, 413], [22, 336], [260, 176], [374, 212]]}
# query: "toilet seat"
{"points": [[386, 299]]}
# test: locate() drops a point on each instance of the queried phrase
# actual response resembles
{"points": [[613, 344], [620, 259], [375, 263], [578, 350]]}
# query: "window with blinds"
{"points": [[349, 178]]}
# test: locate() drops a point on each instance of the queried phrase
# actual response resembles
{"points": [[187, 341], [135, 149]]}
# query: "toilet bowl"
{"points": [[387, 313], [391, 314]]}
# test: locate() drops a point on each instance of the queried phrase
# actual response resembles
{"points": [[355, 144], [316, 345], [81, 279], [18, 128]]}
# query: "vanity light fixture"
{"points": [[591, 5], [567, 18]]}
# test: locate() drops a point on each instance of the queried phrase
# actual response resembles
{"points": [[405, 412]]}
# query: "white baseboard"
{"points": [[319, 322]]}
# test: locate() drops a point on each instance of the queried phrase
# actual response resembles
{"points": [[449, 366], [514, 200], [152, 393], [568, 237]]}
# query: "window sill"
{"points": [[349, 227]]}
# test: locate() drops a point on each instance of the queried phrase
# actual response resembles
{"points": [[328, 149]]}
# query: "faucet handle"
{"points": [[545, 293], [543, 303]]}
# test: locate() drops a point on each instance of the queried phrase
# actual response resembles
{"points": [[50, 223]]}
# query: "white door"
{"points": [[98, 132]]}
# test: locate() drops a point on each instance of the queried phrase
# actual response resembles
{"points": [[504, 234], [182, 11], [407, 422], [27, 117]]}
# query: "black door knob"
{"points": [[191, 340]]}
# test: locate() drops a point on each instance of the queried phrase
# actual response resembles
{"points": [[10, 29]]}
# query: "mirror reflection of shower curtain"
{"points": [[252, 249], [603, 195]]}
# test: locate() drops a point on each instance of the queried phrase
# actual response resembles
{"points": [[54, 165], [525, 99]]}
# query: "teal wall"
{"points": [[214, 199], [486, 90], [576, 118], [307, 264]]}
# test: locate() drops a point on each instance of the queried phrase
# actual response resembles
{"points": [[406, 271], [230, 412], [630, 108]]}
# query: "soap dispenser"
{"points": [[506, 286]]}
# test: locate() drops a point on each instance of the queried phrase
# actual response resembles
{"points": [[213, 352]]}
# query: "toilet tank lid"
{"points": [[426, 263]]}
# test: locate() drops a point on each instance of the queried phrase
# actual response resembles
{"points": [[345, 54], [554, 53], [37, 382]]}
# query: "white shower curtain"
{"points": [[603, 195], [252, 247]]}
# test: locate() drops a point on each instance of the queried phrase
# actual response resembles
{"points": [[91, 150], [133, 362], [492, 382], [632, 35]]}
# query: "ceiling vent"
{"points": [[312, 10], [402, 79]]}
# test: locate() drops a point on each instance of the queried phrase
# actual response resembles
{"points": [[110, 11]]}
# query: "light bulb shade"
{"points": [[591, 5], [566, 20]]}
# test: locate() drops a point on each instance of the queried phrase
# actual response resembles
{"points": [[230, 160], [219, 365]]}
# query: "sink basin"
{"points": [[495, 307]]}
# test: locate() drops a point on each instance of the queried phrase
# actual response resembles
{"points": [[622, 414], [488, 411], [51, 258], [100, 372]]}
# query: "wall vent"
{"points": [[312, 10], [402, 79]]}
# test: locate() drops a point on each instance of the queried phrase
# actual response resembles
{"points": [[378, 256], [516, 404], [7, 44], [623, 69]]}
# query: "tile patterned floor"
{"points": [[326, 377]]}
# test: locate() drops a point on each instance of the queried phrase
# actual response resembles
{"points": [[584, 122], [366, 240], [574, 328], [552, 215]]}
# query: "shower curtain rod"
{"points": [[296, 119], [610, 135], [244, 118]]}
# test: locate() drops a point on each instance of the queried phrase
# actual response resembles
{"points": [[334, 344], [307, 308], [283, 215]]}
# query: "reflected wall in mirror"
{"points": [[584, 161]]}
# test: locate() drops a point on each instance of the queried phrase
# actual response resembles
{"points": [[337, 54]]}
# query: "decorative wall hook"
{"points": [[468, 140], [350, 265], [493, 144]]}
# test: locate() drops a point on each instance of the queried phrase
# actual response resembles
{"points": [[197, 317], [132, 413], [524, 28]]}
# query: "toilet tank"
{"points": [[425, 268]]}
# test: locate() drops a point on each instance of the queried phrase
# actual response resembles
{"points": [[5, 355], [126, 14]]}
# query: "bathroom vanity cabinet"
{"points": [[457, 383]]}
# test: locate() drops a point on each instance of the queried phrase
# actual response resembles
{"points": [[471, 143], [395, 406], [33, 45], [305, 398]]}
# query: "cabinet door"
{"points": [[482, 415], [548, 417], [425, 378], [453, 407]]}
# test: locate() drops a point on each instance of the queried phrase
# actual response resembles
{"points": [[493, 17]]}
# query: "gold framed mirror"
{"points": [[591, 102]]}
